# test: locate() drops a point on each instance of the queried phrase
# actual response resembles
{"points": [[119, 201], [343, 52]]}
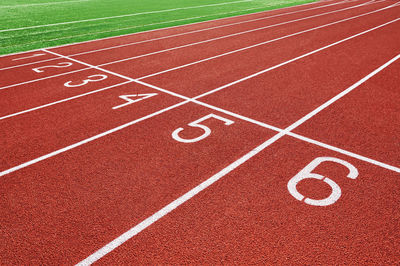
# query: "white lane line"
{"points": [[282, 132], [63, 100], [43, 4], [251, 46], [35, 80], [343, 93], [345, 152], [252, 30], [305, 118], [80, 143], [194, 100], [44, 78], [173, 205], [179, 201], [295, 59], [156, 23], [300, 137], [122, 16], [31, 56], [180, 34], [178, 95], [211, 28], [187, 99], [160, 29], [206, 29]]}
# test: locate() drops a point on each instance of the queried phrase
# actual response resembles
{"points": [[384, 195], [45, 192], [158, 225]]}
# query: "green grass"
{"points": [[16, 14]]}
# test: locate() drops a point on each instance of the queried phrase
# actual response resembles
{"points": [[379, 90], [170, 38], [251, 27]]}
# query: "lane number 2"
{"points": [[92, 78], [306, 172], [59, 65], [207, 130]]}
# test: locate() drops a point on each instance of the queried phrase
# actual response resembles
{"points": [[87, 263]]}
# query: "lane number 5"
{"points": [[207, 130], [306, 172]]}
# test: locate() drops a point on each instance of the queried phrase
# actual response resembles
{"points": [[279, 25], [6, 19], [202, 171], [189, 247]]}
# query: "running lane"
{"points": [[249, 216], [143, 48], [35, 71], [24, 58], [151, 64], [53, 70], [221, 70], [60, 210], [283, 95], [31, 95], [366, 121], [30, 135], [142, 36]]}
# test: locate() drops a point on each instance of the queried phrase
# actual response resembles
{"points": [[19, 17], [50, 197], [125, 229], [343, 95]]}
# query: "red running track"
{"points": [[79, 174]]}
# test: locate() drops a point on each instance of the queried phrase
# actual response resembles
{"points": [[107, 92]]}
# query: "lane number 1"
{"points": [[26, 57], [306, 172], [207, 130]]}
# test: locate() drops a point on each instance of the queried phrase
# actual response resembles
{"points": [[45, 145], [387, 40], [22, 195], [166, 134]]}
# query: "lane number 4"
{"points": [[207, 130]]}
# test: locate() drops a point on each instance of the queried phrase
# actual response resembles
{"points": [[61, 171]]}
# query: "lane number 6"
{"points": [[306, 172], [207, 130]]}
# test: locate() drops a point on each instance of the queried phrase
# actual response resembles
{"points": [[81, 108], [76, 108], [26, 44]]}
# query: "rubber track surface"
{"points": [[118, 161]]}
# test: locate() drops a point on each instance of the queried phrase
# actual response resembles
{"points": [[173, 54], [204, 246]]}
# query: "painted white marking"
{"points": [[173, 205], [130, 101], [92, 78], [26, 57], [296, 58], [63, 100], [179, 201], [253, 30], [171, 36], [282, 133], [207, 130], [201, 30], [345, 152], [59, 65], [207, 93], [242, 49], [260, 44], [160, 29], [120, 16], [43, 4], [80, 143], [306, 173], [297, 136], [44, 78], [343, 93]]}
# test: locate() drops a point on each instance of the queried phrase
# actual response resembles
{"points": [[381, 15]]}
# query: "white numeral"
{"points": [[129, 100], [59, 65], [92, 78], [207, 130], [306, 172], [26, 57]]}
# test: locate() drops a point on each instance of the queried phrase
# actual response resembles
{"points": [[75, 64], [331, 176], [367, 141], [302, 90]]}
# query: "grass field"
{"points": [[32, 24]]}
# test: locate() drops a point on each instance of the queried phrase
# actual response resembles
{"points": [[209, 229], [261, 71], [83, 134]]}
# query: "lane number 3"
{"points": [[207, 130], [306, 172], [92, 78]]}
